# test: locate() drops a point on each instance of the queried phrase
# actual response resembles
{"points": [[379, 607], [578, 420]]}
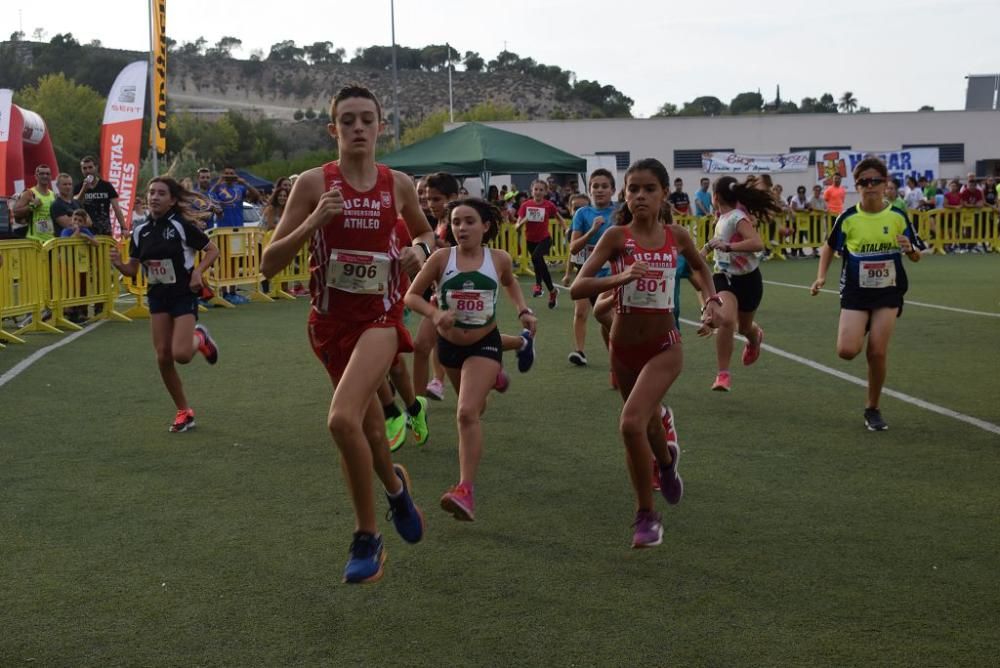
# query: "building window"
{"points": [[812, 150], [690, 158], [622, 158], [946, 152]]}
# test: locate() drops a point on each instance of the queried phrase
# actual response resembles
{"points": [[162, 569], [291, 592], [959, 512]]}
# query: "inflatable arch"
{"points": [[24, 144]]}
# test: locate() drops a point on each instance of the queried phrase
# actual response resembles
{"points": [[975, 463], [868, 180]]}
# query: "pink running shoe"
{"points": [[460, 502], [502, 382], [668, 425], [435, 390], [722, 382], [751, 353], [648, 530]]}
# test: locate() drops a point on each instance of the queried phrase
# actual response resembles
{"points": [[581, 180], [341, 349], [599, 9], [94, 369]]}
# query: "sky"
{"points": [[893, 56]]}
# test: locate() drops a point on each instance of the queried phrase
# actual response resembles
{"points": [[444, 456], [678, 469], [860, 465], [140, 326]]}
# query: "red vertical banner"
{"points": [[121, 138]]}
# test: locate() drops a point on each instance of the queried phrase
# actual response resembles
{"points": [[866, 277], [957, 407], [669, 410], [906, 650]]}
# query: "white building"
{"points": [[968, 141]]}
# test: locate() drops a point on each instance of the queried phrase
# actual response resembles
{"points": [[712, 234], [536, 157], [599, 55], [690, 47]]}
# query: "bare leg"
{"points": [[162, 327], [352, 415], [882, 326]]}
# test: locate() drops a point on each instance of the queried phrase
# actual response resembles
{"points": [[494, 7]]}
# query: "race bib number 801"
{"points": [[359, 272], [653, 291]]}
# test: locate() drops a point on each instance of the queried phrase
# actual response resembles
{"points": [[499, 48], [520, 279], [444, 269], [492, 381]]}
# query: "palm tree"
{"points": [[848, 103]]}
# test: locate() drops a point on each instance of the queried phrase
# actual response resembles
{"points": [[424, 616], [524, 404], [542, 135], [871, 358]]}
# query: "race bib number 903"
{"points": [[880, 274], [358, 272]]}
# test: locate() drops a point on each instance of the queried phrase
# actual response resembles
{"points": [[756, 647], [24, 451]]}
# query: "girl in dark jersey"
{"points": [[645, 344], [346, 211], [469, 276], [165, 247]]}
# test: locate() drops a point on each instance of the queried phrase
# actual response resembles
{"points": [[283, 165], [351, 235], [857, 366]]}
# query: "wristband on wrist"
{"points": [[714, 298], [425, 248], [524, 312]]}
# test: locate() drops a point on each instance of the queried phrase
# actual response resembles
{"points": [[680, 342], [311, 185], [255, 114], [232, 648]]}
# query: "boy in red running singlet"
{"points": [[346, 211]]}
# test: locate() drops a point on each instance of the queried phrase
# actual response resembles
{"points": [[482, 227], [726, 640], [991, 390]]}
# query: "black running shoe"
{"points": [[874, 421]]}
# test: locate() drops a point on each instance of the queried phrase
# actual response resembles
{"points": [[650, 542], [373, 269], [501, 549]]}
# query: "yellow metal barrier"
{"points": [[297, 271], [136, 286], [238, 263], [23, 287], [80, 274]]}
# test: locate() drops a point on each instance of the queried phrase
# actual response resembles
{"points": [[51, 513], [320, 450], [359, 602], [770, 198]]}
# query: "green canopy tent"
{"points": [[479, 150]]}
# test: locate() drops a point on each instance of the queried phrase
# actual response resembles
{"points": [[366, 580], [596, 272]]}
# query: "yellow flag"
{"points": [[158, 129]]}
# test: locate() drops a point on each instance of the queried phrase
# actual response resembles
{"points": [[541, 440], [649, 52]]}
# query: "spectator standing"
{"points": [[35, 205], [799, 202], [64, 205], [98, 197], [680, 203], [914, 195], [703, 199], [816, 202], [229, 193], [834, 196], [892, 195]]}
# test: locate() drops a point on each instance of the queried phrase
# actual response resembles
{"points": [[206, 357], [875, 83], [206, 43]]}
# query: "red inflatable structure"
{"points": [[24, 144]]}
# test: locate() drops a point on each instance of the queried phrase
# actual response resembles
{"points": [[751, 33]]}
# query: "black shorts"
{"points": [[453, 356], [857, 300], [174, 306], [747, 288]]}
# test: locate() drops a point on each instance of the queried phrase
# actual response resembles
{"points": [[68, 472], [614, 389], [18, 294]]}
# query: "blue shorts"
{"points": [[175, 307]]}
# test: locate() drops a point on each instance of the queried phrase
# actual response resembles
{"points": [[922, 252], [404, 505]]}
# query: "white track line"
{"points": [[908, 302], [920, 403], [21, 366]]}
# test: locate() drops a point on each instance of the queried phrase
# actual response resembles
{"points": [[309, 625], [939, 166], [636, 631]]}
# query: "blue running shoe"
{"points": [[405, 515], [367, 557], [526, 355]]}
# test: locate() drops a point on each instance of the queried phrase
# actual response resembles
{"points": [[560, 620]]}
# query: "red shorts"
{"points": [[634, 356], [333, 339]]}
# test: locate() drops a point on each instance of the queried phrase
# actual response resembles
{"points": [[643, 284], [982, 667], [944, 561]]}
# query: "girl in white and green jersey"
{"points": [[469, 276]]}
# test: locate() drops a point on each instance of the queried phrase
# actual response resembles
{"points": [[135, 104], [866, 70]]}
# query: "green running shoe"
{"points": [[395, 431], [418, 422]]}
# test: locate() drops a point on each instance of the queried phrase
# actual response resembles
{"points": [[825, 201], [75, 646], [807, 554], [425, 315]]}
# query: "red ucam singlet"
{"points": [[653, 293], [354, 261]]}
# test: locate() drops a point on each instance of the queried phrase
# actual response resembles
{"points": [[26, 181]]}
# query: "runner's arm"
{"points": [[587, 283], [506, 270], [414, 298]]}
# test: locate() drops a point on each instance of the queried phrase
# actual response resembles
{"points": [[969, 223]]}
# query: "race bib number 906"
{"points": [[471, 307], [358, 272], [653, 291], [160, 272], [880, 274]]}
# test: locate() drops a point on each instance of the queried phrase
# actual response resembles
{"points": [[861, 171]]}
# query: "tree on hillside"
{"points": [[433, 123], [746, 103], [72, 113], [194, 48], [505, 61], [666, 109], [847, 103], [214, 142], [323, 52], [435, 57], [224, 47], [706, 105], [17, 36], [286, 52], [611, 101], [64, 41], [473, 62], [38, 34]]}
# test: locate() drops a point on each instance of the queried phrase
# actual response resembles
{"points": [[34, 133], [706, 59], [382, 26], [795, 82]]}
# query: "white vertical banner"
{"points": [[121, 137]]}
